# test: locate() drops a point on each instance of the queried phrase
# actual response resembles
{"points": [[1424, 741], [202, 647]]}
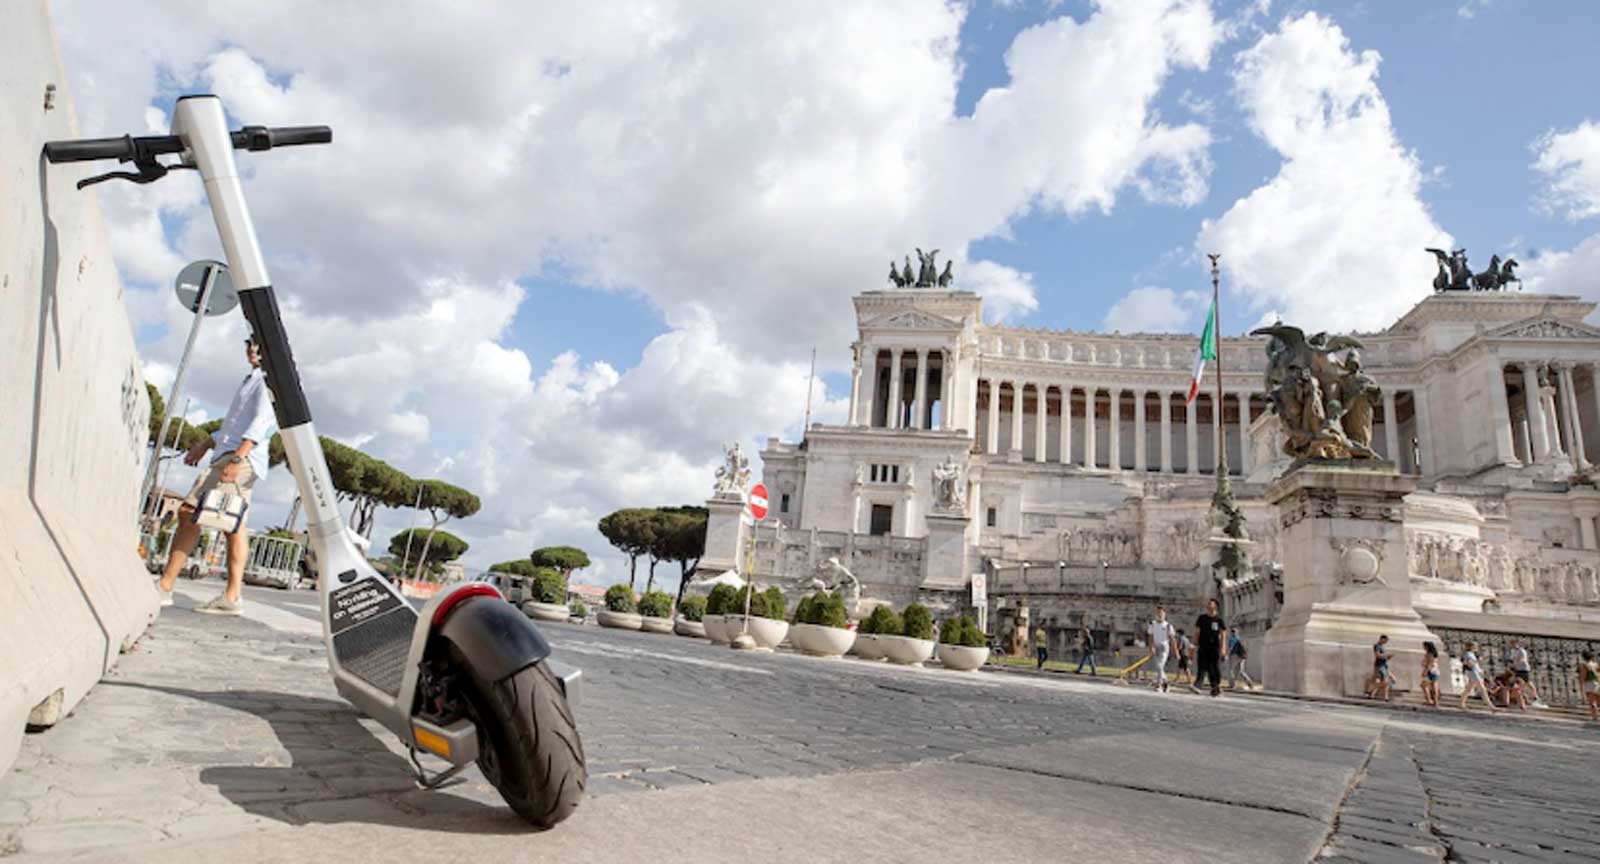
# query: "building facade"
{"points": [[1085, 477]]}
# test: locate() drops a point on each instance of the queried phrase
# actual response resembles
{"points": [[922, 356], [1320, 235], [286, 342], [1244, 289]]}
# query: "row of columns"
{"points": [[921, 408], [1551, 425]]}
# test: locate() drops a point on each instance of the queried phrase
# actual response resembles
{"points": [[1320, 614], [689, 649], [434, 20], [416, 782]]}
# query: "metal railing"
{"points": [[273, 561]]}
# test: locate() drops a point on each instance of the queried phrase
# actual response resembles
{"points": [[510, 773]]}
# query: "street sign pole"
{"points": [[207, 282], [755, 510]]}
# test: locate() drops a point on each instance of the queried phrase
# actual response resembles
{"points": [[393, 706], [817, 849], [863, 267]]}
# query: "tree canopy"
{"points": [[517, 566], [443, 503], [432, 550], [630, 531], [563, 558]]}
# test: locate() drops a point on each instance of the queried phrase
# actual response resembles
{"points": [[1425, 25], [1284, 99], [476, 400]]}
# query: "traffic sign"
{"points": [[758, 501]]}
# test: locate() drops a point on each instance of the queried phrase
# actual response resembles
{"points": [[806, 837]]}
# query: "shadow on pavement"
{"points": [[338, 772]]}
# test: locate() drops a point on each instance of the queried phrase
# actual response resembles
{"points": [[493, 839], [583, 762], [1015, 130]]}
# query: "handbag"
{"points": [[222, 508]]}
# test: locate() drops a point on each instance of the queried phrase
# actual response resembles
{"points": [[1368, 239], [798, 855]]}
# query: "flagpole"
{"points": [[1222, 427]]}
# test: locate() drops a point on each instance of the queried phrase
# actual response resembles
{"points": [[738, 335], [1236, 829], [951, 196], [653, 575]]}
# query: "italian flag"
{"points": [[1208, 351]]}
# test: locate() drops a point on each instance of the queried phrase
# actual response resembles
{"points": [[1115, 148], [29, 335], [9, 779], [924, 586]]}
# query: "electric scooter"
{"points": [[470, 678]]}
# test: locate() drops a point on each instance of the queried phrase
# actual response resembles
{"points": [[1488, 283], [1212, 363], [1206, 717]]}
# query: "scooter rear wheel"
{"points": [[528, 746]]}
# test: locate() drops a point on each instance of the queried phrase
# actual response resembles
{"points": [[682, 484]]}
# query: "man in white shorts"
{"points": [[1161, 639], [241, 459]]}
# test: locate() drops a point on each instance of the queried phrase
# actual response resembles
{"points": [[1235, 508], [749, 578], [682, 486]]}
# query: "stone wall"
{"points": [[76, 415]]}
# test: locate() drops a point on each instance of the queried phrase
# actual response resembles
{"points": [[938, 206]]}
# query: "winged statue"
{"points": [[1324, 402]]}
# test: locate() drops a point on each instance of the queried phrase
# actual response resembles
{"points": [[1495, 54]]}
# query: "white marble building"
{"points": [[1085, 470]]}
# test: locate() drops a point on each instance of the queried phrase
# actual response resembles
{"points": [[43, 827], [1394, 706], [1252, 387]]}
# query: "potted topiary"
{"points": [[549, 601], [961, 645], [655, 609], [767, 624], [821, 627], [620, 609], [880, 623], [691, 613], [718, 603], [578, 610], [914, 645]]}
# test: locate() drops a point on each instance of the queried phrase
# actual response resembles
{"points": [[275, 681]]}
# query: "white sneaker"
{"points": [[221, 605], [166, 596]]}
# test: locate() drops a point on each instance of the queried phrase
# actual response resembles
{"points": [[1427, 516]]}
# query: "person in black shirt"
{"points": [[1212, 635]]}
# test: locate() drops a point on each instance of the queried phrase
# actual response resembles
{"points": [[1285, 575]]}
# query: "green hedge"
{"points": [[656, 604], [917, 623], [693, 608], [882, 621], [549, 586], [619, 598], [720, 600], [962, 631], [822, 608], [578, 609]]}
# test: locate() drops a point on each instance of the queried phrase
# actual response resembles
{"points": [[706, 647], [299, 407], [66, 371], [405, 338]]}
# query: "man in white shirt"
{"points": [[1161, 639], [241, 448]]}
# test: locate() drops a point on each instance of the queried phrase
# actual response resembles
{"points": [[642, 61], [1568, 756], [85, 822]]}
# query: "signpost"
{"points": [[758, 502], [755, 510], [980, 599]]}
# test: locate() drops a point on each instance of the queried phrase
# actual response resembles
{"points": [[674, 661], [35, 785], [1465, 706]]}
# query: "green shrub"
{"points": [[917, 623], [578, 609], [774, 607], [802, 610], [549, 586], [720, 600], [962, 631], [757, 601], [656, 604], [883, 622], [619, 598], [693, 608], [822, 608]]}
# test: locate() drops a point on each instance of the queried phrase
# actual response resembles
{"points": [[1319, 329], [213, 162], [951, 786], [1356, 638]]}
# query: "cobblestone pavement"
{"points": [[215, 726]]}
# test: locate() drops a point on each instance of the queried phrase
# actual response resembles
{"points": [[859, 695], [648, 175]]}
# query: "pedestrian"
{"points": [[1162, 639], [1237, 655], [1213, 635], [1473, 672], [240, 460], [1086, 650], [1041, 647], [1185, 658], [1522, 667], [1589, 683], [1430, 674], [1382, 682], [1508, 688]]}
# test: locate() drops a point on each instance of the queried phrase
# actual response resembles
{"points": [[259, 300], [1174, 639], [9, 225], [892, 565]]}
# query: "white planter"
{"points": [[961, 658], [905, 650], [651, 624], [867, 647], [716, 627], [546, 611], [767, 632], [821, 640], [694, 629], [621, 620]]}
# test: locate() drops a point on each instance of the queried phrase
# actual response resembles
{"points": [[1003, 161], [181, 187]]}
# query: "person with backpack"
{"points": [[1086, 650], [1236, 662]]}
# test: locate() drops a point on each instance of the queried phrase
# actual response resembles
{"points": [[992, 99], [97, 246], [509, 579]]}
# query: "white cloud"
{"points": [[741, 170], [1155, 310], [1335, 240], [1570, 163], [1566, 272]]}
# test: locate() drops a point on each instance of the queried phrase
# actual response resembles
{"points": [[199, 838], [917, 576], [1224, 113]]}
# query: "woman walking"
{"points": [[1589, 682], [1474, 675], [1430, 674]]}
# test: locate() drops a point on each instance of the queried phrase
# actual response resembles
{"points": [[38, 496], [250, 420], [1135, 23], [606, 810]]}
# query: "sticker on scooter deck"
{"points": [[371, 627]]}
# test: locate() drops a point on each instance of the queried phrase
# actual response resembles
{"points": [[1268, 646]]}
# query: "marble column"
{"points": [[947, 390], [1391, 429], [1552, 414], [855, 389], [1066, 425], [1138, 430], [993, 443], [1114, 431], [1018, 412], [919, 399], [1191, 432], [1088, 427], [1041, 424], [1429, 457], [1569, 401], [1243, 468], [1540, 432], [1500, 430], [1166, 432], [1594, 373], [894, 389], [972, 405]]}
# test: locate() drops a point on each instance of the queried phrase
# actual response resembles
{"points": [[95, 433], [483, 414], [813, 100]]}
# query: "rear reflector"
{"points": [[435, 744], [476, 589]]}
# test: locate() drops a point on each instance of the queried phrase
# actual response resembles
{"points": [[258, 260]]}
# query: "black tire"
{"points": [[528, 744]]}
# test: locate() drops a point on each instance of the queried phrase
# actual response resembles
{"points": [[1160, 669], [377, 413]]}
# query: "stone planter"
{"points": [[692, 629], [867, 647], [651, 624], [820, 640], [716, 627], [546, 611], [767, 632], [905, 650], [961, 658], [621, 620]]}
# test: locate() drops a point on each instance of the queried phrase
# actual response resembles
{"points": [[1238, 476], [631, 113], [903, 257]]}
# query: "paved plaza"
{"points": [[222, 739]]}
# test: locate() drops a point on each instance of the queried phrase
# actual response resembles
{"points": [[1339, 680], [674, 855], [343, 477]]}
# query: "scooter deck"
{"points": [[372, 627]]}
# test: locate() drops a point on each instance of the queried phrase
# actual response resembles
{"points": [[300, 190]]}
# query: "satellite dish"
{"points": [[222, 298]]}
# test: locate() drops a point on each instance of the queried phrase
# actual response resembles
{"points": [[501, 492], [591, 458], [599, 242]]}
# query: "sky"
{"points": [[560, 253]]}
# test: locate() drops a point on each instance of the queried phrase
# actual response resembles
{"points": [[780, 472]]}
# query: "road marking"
{"points": [[259, 612], [636, 653]]}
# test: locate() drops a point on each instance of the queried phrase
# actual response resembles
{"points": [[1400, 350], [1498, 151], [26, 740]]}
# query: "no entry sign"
{"points": [[758, 501]]}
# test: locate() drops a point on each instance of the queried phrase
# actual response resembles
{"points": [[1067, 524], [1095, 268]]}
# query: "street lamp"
{"points": [[1061, 575]]}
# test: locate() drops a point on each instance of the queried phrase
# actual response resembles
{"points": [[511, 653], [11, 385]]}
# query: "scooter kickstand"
{"points": [[438, 781]]}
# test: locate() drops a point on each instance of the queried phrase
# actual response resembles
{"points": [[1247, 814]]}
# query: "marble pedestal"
{"points": [[725, 537], [945, 563], [1345, 580]]}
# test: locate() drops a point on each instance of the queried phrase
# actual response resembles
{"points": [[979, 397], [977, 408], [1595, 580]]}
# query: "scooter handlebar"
{"points": [[129, 149]]}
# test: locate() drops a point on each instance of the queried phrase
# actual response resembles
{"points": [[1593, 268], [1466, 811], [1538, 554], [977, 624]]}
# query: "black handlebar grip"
{"points": [[123, 149], [263, 138]]}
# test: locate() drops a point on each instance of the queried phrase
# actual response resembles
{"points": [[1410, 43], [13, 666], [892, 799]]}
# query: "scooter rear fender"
{"points": [[495, 637]]}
